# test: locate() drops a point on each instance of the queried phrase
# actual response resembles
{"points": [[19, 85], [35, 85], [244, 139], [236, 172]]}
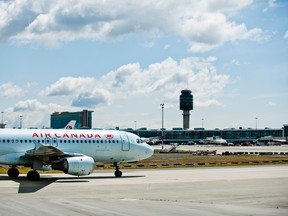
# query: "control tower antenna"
{"points": [[186, 104]]}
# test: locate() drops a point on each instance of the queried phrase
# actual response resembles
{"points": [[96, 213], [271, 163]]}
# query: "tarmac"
{"points": [[248, 190]]}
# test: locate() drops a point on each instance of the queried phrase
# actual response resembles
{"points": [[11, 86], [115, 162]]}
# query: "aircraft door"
{"points": [[54, 142], [125, 142], [48, 141]]}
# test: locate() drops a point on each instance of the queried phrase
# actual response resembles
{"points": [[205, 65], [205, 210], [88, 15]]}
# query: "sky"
{"points": [[122, 59]]}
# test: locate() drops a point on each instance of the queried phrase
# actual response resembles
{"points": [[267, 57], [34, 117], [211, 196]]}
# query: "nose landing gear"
{"points": [[117, 172]]}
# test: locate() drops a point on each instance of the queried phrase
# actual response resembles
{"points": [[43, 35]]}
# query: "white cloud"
{"points": [[33, 112], [131, 84], [29, 105], [53, 22], [166, 78], [83, 91], [9, 90], [66, 86], [198, 31], [92, 99], [226, 6]]}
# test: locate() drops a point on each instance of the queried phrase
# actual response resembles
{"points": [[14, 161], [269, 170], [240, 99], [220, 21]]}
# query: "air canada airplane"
{"points": [[72, 151]]}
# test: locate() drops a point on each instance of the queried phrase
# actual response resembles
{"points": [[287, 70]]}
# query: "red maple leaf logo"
{"points": [[109, 136]]}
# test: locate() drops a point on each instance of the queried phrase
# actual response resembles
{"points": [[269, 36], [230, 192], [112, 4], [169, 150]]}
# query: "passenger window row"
{"points": [[60, 141]]}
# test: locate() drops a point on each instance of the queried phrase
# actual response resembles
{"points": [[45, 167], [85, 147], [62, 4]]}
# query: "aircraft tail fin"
{"points": [[70, 125]]}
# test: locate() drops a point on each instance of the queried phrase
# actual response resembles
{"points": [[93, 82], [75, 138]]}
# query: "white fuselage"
{"points": [[101, 145]]}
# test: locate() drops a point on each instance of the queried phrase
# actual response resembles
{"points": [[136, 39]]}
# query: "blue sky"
{"points": [[122, 60]]}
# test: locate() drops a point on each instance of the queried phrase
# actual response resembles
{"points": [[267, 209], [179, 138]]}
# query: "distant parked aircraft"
{"points": [[215, 140]]}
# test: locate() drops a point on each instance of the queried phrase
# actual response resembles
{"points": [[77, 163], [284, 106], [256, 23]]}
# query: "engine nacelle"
{"points": [[79, 165]]}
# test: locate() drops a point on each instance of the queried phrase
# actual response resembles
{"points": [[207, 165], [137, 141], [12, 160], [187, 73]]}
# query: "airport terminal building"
{"points": [[83, 119], [231, 135], [176, 135]]}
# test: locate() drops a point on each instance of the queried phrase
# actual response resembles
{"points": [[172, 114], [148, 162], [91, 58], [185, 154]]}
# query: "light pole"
{"points": [[256, 122], [202, 122], [2, 124], [135, 122], [162, 129], [21, 121]]}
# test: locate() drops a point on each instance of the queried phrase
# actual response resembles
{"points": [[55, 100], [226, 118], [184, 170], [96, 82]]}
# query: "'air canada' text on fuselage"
{"points": [[70, 135]]}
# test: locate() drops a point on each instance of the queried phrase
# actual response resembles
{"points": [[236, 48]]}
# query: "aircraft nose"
{"points": [[149, 151]]}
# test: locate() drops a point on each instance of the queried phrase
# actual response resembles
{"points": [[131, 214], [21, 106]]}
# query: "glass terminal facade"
{"points": [[83, 119], [231, 135]]}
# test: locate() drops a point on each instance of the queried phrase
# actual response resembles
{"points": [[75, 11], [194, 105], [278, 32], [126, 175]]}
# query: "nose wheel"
{"points": [[117, 172]]}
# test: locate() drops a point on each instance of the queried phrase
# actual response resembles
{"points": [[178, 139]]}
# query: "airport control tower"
{"points": [[186, 104]]}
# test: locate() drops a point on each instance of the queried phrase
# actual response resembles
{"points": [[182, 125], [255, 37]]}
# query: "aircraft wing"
{"points": [[47, 153], [44, 150]]}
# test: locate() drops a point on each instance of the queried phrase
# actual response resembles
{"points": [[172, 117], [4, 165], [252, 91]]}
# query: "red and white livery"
{"points": [[72, 151]]}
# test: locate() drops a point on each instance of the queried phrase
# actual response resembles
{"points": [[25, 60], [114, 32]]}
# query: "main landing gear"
{"points": [[117, 172], [32, 175], [13, 172]]}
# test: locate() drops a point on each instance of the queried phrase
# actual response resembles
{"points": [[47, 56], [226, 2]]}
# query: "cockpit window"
{"points": [[139, 141]]}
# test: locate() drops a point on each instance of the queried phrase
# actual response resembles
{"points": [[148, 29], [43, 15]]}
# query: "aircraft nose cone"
{"points": [[149, 151]]}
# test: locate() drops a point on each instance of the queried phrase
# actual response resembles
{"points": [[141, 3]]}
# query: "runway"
{"points": [[251, 190]]}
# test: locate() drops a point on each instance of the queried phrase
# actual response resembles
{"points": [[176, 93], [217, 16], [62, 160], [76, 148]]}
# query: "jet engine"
{"points": [[79, 165]]}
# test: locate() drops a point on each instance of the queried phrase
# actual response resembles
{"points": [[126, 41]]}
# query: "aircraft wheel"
{"points": [[118, 173], [13, 172], [33, 175]]}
